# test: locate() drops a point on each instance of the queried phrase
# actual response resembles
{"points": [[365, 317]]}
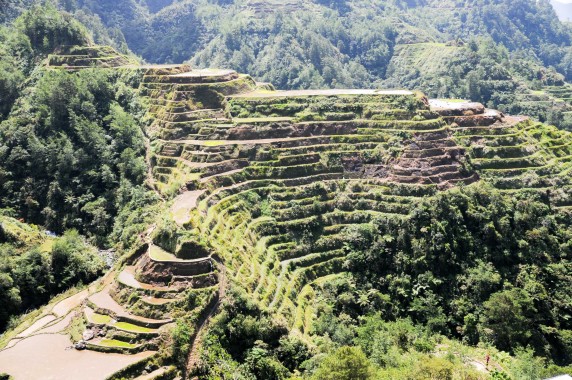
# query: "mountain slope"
{"points": [[269, 234], [294, 213], [321, 44]]}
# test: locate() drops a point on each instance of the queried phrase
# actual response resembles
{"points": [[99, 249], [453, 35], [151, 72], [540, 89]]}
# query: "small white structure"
{"points": [[561, 377]]}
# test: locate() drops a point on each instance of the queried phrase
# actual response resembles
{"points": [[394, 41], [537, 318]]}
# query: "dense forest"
{"points": [[471, 264], [71, 160], [325, 44], [72, 148]]}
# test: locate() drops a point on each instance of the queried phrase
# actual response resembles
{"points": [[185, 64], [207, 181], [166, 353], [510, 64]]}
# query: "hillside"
{"points": [[290, 215], [303, 44], [287, 204]]}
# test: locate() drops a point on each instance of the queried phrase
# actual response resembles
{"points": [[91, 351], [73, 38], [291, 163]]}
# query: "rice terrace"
{"points": [[198, 223]]}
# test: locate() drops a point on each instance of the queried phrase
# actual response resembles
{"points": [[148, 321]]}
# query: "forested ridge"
{"points": [[357, 44], [72, 159], [420, 281]]}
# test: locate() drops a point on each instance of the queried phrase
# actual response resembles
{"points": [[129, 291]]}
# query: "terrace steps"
{"points": [[331, 153], [278, 177], [103, 303]]}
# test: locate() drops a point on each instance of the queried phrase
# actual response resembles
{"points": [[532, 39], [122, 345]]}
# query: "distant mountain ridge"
{"points": [[301, 44], [256, 233]]}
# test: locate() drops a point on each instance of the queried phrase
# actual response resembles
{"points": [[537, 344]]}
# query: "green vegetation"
{"points": [[489, 261], [159, 254], [377, 349], [445, 50], [90, 120], [312, 243], [344, 363], [20, 234], [47, 124], [485, 71], [427, 45], [30, 276], [116, 343], [100, 319], [132, 328], [325, 235], [71, 159]]}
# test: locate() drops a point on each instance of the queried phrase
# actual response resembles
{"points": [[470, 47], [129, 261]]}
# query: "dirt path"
{"points": [[205, 321], [48, 357], [200, 73], [333, 92], [479, 366]]}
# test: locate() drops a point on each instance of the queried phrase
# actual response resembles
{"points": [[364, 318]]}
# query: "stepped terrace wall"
{"points": [[284, 175]]}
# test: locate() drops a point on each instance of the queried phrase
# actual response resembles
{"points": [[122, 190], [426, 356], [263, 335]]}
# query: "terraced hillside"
{"points": [[82, 57], [277, 176], [266, 7], [263, 186], [442, 68]]}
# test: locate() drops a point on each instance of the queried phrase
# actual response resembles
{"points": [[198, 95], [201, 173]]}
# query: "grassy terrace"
{"points": [[78, 57], [285, 174], [278, 270], [100, 319], [519, 161], [159, 254], [130, 327], [116, 343]]}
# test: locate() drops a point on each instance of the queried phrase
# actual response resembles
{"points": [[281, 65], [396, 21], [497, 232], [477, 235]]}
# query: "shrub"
{"points": [[73, 261], [346, 363], [181, 335], [434, 368]]}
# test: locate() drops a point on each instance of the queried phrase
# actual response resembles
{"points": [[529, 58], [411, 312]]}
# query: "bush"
{"points": [[181, 335], [434, 368], [49, 29], [73, 261], [346, 363]]}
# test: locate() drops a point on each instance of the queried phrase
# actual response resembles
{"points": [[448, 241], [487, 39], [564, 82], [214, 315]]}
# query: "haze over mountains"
{"points": [[563, 9]]}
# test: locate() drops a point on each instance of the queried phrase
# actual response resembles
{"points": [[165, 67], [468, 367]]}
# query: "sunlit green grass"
{"points": [[100, 319], [116, 343], [159, 254], [132, 328], [47, 245]]}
